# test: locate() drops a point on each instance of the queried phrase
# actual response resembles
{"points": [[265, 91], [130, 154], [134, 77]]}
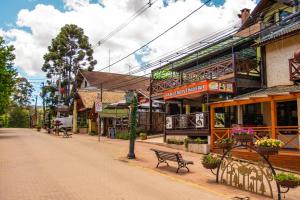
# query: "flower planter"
{"points": [[211, 165], [224, 145], [267, 150], [199, 148], [288, 183], [83, 130], [243, 137]]}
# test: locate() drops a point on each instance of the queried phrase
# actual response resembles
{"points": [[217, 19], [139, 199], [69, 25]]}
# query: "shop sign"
{"points": [[199, 120], [194, 88], [169, 122]]}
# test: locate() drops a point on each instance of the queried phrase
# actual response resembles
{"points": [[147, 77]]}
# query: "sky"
{"points": [[31, 24]]}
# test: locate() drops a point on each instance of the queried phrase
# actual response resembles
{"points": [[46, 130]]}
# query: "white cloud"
{"points": [[45, 21]]}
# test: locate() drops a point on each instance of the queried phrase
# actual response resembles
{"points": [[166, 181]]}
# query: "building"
{"points": [[217, 68], [274, 110]]}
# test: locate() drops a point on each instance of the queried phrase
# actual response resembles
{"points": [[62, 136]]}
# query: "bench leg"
{"points": [[162, 161]]}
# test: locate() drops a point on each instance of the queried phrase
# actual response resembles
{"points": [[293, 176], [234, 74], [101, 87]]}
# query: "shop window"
{"points": [[287, 113]]}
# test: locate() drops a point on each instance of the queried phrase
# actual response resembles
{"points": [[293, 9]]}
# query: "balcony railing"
{"points": [[187, 121], [294, 70], [246, 67]]}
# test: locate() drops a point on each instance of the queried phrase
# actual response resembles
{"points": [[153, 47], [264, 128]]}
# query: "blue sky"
{"points": [[9, 10]]}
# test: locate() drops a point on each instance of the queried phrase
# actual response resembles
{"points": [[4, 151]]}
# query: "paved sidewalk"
{"points": [[38, 166]]}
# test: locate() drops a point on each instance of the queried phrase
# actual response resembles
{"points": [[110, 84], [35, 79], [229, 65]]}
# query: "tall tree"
{"points": [[69, 52], [23, 92], [7, 74]]}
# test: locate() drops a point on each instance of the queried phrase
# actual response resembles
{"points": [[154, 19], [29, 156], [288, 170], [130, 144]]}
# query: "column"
{"points": [[298, 115], [75, 116], [89, 125], [240, 114], [187, 109], [273, 119], [212, 126]]}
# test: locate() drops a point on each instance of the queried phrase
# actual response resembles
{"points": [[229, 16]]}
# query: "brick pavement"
{"points": [[40, 166]]}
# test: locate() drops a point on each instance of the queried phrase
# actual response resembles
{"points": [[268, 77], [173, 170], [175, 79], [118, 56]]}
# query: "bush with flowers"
{"points": [[268, 146], [242, 134]]}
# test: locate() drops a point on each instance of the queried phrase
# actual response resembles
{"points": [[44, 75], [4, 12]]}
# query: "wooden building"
{"points": [[223, 66], [274, 110]]}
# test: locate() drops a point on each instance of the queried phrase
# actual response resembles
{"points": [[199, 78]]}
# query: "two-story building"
{"points": [[220, 67], [275, 107]]}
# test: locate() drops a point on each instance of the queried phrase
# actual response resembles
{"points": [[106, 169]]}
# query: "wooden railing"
{"points": [[187, 121], [294, 70], [159, 86], [289, 135]]}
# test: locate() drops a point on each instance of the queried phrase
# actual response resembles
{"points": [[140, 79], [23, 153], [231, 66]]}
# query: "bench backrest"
{"points": [[168, 155]]}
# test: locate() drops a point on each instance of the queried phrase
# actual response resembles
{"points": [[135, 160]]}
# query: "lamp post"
{"points": [[132, 98]]}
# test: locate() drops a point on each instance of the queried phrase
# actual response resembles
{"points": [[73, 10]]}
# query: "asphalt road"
{"points": [[37, 166]]}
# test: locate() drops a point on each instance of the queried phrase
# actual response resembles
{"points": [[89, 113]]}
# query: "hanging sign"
{"points": [[199, 120], [98, 106], [169, 122], [219, 120]]}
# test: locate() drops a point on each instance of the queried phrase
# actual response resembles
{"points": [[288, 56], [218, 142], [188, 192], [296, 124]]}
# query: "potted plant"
{"points": [[268, 146], [210, 162], [226, 143], [287, 180], [198, 145], [242, 134], [143, 136]]}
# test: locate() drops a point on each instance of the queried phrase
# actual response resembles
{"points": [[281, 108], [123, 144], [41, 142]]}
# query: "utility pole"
{"points": [[44, 108]]}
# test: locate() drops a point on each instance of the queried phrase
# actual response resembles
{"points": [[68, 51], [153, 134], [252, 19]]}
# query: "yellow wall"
{"points": [[277, 64]]}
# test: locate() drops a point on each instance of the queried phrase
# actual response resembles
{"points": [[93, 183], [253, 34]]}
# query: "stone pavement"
{"points": [[38, 166]]}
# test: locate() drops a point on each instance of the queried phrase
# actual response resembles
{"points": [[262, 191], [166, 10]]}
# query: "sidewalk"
{"points": [[198, 177]]}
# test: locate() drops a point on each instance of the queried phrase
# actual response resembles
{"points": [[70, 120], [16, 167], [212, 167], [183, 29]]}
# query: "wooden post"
{"points": [[75, 116], [212, 126], [273, 118]]}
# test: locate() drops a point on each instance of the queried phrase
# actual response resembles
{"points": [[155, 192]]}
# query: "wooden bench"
{"points": [[164, 156]]}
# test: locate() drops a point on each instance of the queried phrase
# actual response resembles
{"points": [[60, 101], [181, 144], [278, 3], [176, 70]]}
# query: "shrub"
{"points": [[210, 159], [287, 177], [225, 141], [92, 133], [143, 136], [174, 141], [123, 135]]}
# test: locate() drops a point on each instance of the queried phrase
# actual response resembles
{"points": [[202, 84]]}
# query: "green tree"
{"points": [[19, 118], [23, 92], [7, 75], [69, 52]]}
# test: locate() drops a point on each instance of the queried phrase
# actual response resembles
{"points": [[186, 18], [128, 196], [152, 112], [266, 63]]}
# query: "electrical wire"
{"points": [[158, 36], [126, 23]]}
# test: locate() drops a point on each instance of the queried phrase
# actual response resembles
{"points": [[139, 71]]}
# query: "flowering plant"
{"points": [[242, 131], [272, 143]]}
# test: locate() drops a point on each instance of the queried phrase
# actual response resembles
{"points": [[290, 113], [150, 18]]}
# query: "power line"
{"points": [[127, 22], [161, 34]]}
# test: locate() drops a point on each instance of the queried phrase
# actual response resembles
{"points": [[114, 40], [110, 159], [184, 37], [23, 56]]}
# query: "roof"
{"points": [[289, 29], [88, 97], [113, 81], [265, 92]]}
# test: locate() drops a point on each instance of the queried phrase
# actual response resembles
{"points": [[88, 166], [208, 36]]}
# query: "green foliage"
{"points": [[19, 118], [123, 135], [225, 141], [143, 136], [23, 92], [83, 124], [7, 75], [133, 119], [198, 140], [48, 94], [92, 133], [210, 159], [162, 74], [175, 141], [287, 177], [69, 52], [272, 143]]}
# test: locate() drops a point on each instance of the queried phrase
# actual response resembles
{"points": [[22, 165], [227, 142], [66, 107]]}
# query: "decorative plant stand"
{"points": [[255, 177]]}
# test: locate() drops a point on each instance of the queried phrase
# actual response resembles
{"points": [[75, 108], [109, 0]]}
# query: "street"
{"points": [[38, 166]]}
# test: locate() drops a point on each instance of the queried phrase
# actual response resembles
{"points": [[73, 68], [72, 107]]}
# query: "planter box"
{"points": [[199, 148], [176, 146], [83, 130]]}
